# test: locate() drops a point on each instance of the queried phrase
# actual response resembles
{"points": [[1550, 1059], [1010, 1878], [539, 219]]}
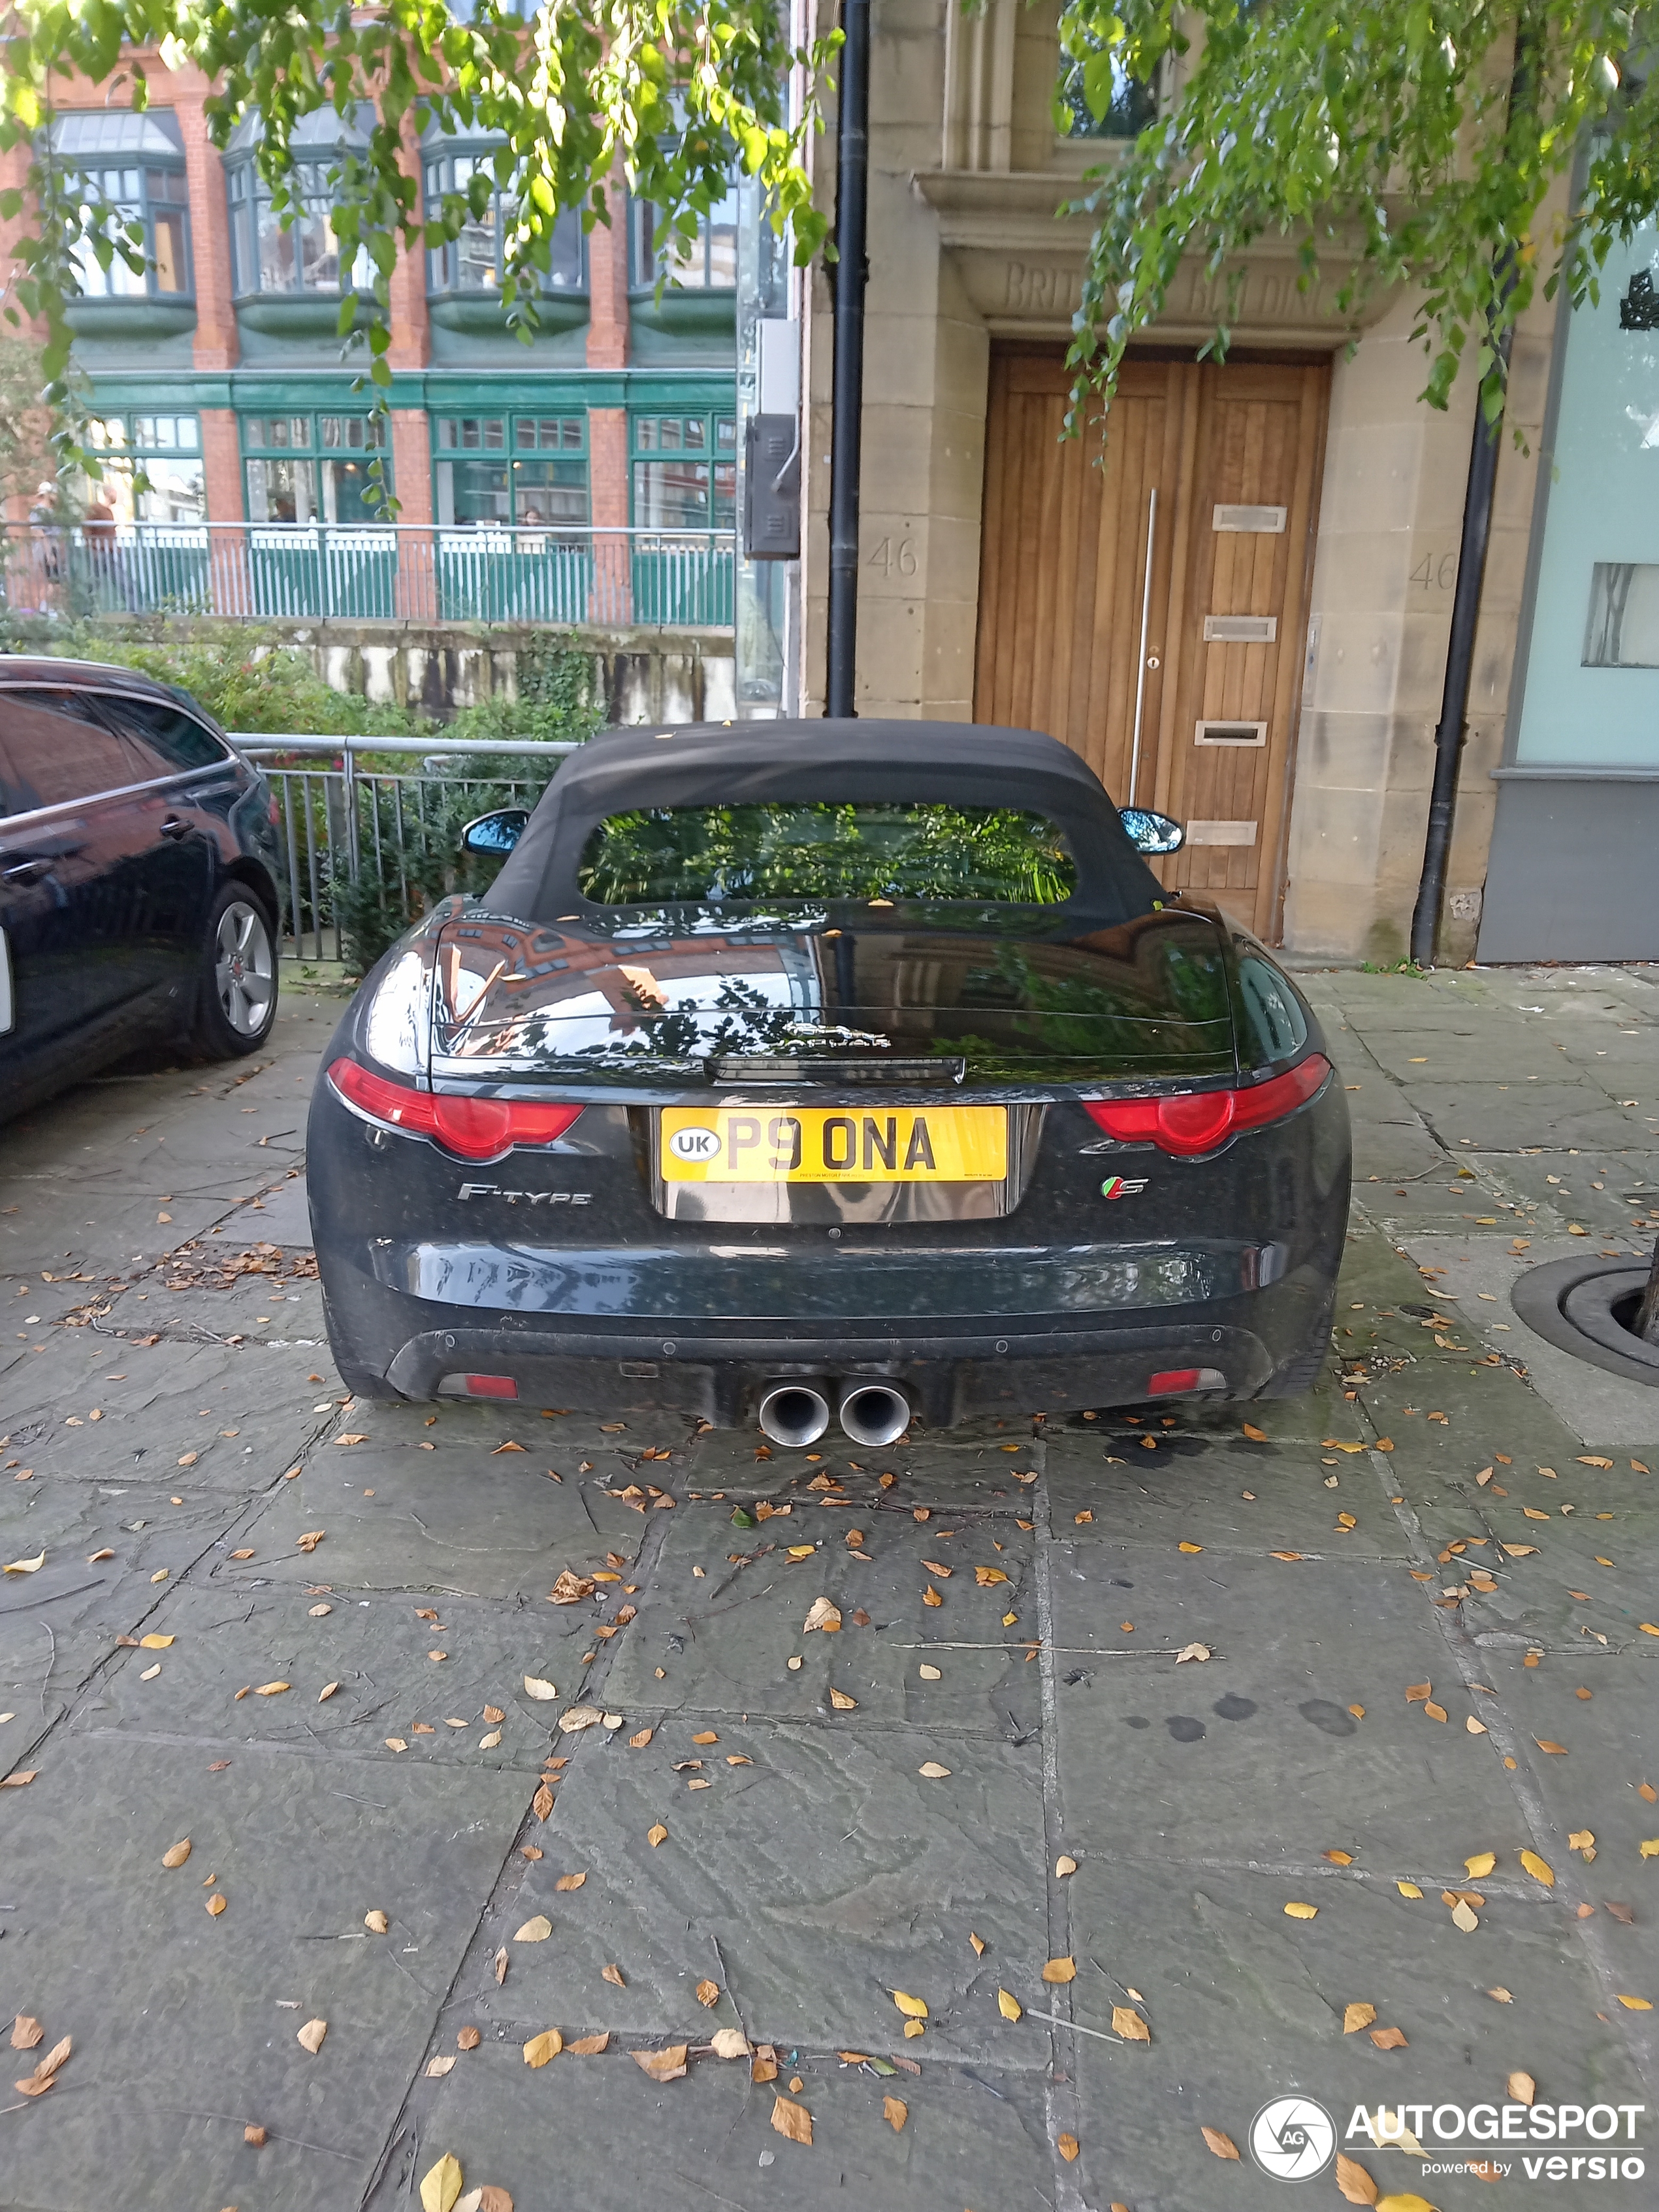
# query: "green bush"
{"points": [[245, 676]]}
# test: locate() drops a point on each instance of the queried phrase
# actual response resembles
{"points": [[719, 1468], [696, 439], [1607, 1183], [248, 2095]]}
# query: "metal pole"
{"points": [[1140, 672], [852, 271], [1460, 666]]}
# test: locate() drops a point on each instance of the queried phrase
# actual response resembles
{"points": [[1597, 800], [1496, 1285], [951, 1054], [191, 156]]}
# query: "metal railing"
{"points": [[367, 846], [423, 573]]}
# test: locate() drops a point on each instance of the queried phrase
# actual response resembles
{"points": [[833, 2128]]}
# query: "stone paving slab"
{"points": [[1160, 1498], [1159, 1754], [808, 1885], [1244, 2003], [724, 1642], [391, 1691], [399, 1518], [181, 2039], [708, 2141]]}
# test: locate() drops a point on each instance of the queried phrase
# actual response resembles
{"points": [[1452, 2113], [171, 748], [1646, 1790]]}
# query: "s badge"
{"points": [[1121, 1187]]}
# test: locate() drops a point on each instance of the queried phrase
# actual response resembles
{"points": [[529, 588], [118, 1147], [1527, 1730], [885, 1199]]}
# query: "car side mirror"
{"points": [[495, 834], [1149, 832]]}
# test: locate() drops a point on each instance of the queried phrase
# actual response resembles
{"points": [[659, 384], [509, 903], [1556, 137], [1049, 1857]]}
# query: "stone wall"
{"points": [[643, 676]]}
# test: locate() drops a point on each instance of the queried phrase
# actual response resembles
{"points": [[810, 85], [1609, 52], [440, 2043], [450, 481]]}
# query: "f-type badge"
{"points": [[1122, 1187]]}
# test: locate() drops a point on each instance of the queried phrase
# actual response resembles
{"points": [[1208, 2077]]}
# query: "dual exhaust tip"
{"points": [[870, 1413]]}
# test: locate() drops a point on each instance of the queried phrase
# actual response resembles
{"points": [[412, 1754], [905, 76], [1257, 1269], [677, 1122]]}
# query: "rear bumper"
{"points": [[1016, 1364]]}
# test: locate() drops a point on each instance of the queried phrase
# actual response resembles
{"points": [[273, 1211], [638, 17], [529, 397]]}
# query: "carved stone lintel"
{"points": [[1022, 264]]}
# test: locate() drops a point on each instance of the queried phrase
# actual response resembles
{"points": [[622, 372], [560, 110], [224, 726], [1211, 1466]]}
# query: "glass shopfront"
{"points": [[1570, 873], [1592, 672]]}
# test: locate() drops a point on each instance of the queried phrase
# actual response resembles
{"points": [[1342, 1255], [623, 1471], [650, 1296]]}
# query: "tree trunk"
{"points": [[1647, 1314]]}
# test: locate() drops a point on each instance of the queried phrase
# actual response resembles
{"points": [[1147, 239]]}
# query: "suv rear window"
{"points": [[781, 852]]}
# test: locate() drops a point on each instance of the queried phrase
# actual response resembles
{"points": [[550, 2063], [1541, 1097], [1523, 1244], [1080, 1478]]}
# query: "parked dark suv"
{"points": [[138, 861]]}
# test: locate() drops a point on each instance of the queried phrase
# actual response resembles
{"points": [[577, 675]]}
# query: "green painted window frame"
{"points": [[718, 451], [316, 449], [518, 449]]}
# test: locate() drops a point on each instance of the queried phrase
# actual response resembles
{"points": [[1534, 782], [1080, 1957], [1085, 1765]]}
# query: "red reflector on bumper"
{"points": [[1173, 1378], [491, 1386]]}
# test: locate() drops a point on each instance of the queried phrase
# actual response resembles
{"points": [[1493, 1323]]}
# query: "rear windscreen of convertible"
{"points": [[785, 850]]}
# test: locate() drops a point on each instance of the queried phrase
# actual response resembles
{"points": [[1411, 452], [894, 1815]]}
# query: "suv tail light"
{"points": [[476, 1130], [1192, 1122]]}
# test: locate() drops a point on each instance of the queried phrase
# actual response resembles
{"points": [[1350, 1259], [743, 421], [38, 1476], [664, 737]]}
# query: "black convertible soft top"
{"points": [[839, 763]]}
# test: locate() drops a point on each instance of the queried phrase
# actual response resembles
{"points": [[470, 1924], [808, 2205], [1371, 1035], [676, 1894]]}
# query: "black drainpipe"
{"points": [[1460, 666], [851, 269]]}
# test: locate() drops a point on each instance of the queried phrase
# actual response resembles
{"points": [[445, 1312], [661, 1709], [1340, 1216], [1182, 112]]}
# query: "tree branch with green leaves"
{"points": [[1411, 143], [673, 94]]}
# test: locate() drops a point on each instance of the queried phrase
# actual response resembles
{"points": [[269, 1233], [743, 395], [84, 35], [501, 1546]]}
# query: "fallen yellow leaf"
{"points": [[541, 2048], [272, 1689], [1355, 2016], [1009, 2006], [25, 1566], [1538, 1869], [932, 1772], [1636, 2004], [841, 1702], [155, 1643], [665, 2065], [310, 2037], [1068, 2146], [1064, 1864], [1184, 1547], [442, 2186], [535, 1687], [216, 1905], [1479, 1863], [895, 2111], [536, 1930], [656, 1835], [376, 1922], [1297, 1911], [1355, 2183], [1128, 2023], [792, 2120], [912, 2008], [1060, 1970]]}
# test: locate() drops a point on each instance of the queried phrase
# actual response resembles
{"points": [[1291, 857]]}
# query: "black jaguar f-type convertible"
{"points": [[809, 1070]]}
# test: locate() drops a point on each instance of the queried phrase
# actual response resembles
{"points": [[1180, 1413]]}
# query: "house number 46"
{"points": [[894, 556]]}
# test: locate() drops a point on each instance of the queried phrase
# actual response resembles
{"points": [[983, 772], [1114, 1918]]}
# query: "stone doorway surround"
{"points": [[966, 245]]}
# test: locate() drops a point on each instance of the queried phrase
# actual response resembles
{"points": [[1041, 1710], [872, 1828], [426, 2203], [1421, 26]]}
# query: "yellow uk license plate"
{"points": [[826, 1144]]}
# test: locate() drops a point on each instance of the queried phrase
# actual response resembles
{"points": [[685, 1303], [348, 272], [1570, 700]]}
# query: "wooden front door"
{"points": [[1145, 599]]}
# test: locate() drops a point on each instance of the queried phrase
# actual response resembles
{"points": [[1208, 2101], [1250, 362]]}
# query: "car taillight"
{"points": [[1196, 1121], [473, 1129]]}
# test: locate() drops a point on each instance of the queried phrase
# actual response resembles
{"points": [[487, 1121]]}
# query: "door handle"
{"points": [[29, 868], [176, 826], [1145, 617]]}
